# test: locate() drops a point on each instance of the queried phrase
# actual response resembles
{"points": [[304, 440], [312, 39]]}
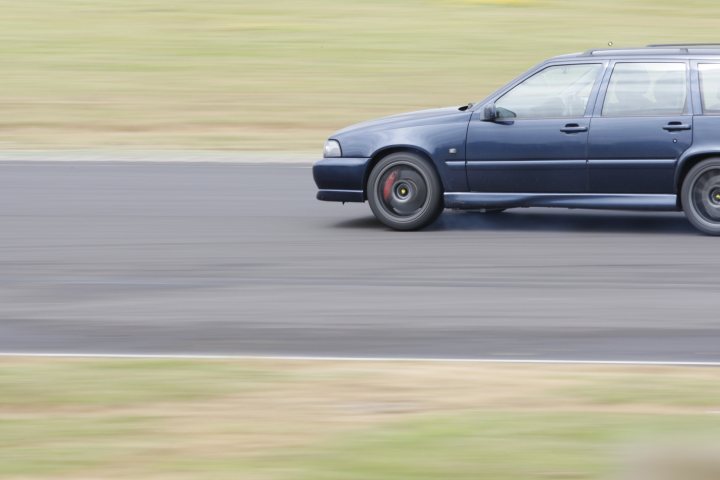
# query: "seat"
{"points": [[669, 94], [628, 94]]}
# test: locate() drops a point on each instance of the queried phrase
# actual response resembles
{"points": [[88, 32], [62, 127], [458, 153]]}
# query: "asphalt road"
{"points": [[241, 259]]}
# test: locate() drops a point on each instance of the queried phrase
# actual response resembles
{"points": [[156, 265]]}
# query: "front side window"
{"points": [[710, 87], [646, 89], [556, 92]]}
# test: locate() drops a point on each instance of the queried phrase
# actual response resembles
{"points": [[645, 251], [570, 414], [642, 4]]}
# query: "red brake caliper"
{"points": [[387, 188]]}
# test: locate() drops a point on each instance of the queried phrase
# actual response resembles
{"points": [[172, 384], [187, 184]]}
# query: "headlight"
{"points": [[332, 149]]}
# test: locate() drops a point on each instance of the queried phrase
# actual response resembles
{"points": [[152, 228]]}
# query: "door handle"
{"points": [[675, 126], [573, 128]]}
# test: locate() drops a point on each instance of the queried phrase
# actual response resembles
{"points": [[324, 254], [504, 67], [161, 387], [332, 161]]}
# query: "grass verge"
{"points": [[284, 74], [161, 419]]}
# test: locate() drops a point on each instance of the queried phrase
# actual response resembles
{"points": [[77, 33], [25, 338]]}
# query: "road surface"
{"points": [[241, 259]]}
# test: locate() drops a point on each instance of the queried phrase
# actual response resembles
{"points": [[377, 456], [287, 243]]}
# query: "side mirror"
{"points": [[490, 113]]}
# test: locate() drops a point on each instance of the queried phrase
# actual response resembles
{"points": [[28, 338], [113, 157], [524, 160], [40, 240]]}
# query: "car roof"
{"points": [[683, 50]]}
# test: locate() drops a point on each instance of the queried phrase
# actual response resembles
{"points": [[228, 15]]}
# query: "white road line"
{"points": [[171, 356]]}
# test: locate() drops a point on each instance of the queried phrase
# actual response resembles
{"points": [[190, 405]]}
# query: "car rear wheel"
{"points": [[700, 196], [404, 192]]}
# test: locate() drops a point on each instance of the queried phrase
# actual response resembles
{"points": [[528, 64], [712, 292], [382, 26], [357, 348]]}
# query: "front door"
{"points": [[643, 127], [538, 143]]}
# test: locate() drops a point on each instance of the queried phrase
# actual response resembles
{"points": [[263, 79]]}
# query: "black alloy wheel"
{"points": [[701, 196], [405, 192]]}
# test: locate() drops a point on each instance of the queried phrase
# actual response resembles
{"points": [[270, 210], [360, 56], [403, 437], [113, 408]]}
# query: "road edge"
{"points": [[159, 156], [321, 358]]}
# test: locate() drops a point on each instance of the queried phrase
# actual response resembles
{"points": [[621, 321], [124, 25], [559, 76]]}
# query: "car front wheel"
{"points": [[701, 196], [405, 192]]}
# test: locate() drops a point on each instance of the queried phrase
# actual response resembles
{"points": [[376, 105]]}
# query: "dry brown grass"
{"points": [[176, 419]]}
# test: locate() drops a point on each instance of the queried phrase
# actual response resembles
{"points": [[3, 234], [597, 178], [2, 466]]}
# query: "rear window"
{"points": [[710, 87], [646, 89]]}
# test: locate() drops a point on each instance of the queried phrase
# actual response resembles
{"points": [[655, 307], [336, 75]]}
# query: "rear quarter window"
{"points": [[710, 87]]}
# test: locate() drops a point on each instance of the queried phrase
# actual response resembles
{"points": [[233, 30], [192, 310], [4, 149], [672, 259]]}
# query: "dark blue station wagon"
{"points": [[633, 129]]}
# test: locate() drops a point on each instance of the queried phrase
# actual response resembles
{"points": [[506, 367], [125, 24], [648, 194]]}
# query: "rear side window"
{"points": [[555, 92], [710, 87], [646, 89]]}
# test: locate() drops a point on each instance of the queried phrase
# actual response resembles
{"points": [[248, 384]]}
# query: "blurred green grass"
{"points": [[284, 74], [499, 446], [274, 420]]}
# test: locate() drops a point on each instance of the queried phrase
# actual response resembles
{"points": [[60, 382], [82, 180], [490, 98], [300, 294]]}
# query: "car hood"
{"points": [[404, 119]]}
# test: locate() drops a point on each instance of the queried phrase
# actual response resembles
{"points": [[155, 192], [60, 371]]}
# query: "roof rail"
{"points": [[656, 48], [635, 51], [682, 45]]}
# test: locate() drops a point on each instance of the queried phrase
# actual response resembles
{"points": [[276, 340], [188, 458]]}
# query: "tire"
{"points": [[700, 196], [404, 192]]}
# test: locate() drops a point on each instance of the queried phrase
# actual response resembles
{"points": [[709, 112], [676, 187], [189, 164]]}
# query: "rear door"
{"points": [[643, 123]]}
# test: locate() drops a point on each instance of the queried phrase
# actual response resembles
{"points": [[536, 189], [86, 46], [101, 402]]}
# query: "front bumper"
{"points": [[341, 179]]}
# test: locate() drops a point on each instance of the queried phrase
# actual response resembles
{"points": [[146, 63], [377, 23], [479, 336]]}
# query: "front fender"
{"points": [[443, 142]]}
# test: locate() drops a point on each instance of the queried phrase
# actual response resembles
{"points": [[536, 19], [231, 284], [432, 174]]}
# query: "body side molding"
{"points": [[618, 201]]}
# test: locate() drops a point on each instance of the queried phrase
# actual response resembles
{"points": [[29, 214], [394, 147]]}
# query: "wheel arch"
{"points": [[385, 151], [686, 164]]}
